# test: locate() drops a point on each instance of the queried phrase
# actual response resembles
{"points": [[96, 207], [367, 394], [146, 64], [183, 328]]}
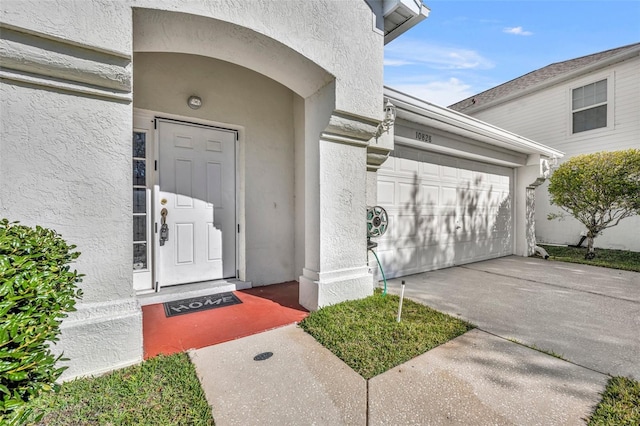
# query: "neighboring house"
{"points": [[212, 146], [580, 106]]}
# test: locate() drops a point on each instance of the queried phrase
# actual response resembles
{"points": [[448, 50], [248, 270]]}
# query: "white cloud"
{"points": [[517, 31], [417, 52], [444, 92], [396, 62]]}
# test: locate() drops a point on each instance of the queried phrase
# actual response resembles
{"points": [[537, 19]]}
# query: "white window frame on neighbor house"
{"points": [[595, 103]]}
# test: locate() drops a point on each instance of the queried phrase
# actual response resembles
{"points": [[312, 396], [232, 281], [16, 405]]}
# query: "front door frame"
{"points": [[150, 117]]}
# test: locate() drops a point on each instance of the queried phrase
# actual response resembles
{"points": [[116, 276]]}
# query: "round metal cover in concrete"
{"points": [[303, 383]]}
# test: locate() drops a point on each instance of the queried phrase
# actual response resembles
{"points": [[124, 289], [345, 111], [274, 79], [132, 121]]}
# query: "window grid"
{"points": [[589, 106], [139, 193]]}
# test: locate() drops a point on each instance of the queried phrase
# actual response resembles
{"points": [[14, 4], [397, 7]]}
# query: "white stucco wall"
{"points": [[335, 206], [103, 24], [66, 141], [60, 169], [330, 33], [299, 183], [264, 109]]}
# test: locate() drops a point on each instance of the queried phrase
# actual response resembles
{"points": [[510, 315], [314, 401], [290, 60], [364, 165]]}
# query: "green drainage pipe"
{"points": [[384, 293]]}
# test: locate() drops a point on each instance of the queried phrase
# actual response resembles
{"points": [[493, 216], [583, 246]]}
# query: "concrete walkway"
{"points": [[302, 383], [589, 315], [474, 379]]}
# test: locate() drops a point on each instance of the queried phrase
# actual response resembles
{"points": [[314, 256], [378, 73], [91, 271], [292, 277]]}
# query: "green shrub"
{"points": [[37, 288], [598, 189]]}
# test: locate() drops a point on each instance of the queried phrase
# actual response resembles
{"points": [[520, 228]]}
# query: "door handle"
{"points": [[164, 229]]}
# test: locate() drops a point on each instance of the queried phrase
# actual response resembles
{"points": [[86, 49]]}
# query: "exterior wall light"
{"points": [[389, 119], [194, 102]]}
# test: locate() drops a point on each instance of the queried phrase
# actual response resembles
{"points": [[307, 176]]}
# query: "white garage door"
{"points": [[443, 211]]}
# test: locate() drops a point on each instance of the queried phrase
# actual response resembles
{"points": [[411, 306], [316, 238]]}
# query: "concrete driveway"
{"points": [[587, 314]]}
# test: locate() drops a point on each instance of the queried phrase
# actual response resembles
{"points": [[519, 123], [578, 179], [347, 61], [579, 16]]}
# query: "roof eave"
{"points": [[466, 126], [554, 80], [414, 9]]}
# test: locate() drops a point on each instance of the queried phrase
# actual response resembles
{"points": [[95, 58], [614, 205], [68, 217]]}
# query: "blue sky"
{"points": [[466, 47]]}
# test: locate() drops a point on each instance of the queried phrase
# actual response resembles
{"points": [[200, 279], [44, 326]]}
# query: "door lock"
{"points": [[164, 229]]}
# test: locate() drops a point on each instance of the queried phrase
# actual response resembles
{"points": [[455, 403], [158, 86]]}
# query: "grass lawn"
{"points": [[365, 335], [620, 404], [616, 259], [161, 391]]}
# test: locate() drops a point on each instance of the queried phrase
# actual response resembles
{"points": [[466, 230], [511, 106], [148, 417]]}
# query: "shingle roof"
{"points": [[537, 77]]}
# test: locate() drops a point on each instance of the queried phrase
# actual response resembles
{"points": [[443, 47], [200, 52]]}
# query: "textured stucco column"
{"points": [[336, 268], [378, 151], [528, 177]]}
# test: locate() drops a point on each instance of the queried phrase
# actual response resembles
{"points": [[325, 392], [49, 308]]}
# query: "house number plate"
{"points": [[423, 137]]}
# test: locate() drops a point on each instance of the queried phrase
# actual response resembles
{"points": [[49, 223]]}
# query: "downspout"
{"points": [[542, 252]]}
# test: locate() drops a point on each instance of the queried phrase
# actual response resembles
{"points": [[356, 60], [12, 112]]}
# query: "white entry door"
{"points": [[197, 188]]}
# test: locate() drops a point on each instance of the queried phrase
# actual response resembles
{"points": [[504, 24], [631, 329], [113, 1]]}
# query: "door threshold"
{"points": [[186, 291]]}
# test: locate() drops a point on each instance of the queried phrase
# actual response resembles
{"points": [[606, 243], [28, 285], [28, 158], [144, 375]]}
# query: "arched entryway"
{"points": [[252, 90]]}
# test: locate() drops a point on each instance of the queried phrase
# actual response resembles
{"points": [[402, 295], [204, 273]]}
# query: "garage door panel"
{"points": [[495, 198], [400, 263], [407, 194], [443, 211], [430, 195], [407, 167], [419, 227], [448, 173], [471, 199], [412, 194], [431, 257], [480, 178], [464, 252], [471, 225], [465, 175], [449, 223], [405, 258], [502, 222], [496, 179], [388, 261], [484, 198], [448, 196], [502, 247], [392, 229], [388, 165], [430, 171], [386, 192]]}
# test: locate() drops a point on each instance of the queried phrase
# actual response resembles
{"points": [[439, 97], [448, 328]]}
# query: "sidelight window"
{"points": [[140, 208]]}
